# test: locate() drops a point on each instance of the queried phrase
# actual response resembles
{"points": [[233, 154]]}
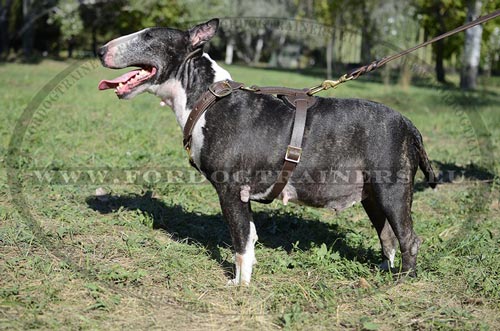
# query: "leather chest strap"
{"points": [[302, 103], [215, 91], [298, 98]]}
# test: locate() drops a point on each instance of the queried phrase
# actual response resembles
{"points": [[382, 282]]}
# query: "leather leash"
{"points": [[378, 63], [301, 99], [298, 98]]}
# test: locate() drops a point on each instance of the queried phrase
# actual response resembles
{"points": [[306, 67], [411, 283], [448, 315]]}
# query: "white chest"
{"points": [[173, 94]]}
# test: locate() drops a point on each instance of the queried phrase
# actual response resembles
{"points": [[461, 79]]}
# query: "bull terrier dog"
{"points": [[353, 150]]}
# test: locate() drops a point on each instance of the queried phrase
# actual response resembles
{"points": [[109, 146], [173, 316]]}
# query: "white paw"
{"points": [[232, 282], [235, 282], [289, 194], [245, 193]]}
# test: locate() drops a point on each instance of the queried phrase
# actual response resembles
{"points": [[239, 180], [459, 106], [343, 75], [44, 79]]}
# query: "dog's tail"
{"points": [[423, 162], [425, 166]]}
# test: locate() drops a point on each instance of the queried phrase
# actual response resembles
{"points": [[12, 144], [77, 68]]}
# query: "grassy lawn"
{"points": [[157, 254]]}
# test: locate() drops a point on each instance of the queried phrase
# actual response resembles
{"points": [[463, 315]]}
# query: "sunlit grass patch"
{"points": [[158, 255]]}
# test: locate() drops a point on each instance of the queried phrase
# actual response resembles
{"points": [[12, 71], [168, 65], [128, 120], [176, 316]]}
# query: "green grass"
{"points": [[158, 255]]}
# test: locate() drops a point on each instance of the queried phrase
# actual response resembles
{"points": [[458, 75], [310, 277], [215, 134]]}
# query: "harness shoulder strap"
{"points": [[299, 98], [215, 91], [302, 102]]}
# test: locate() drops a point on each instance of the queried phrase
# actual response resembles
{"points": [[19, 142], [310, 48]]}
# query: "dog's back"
{"points": [[353, 150]]}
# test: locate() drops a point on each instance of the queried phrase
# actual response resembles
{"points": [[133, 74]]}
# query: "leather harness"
{"points": [[296, 97], [301, 99]]}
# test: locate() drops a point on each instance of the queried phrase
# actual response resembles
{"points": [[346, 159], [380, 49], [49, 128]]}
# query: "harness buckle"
{"points": [[225, 90], [293, 154], [187, 146], [330, 84]]}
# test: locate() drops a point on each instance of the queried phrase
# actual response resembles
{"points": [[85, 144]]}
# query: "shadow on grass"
{"points": [[452, 173], [275, 230], [448, 172]]}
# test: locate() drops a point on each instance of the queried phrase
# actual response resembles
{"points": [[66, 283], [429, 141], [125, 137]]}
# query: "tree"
{"points": [[5, 7], [20, 21], [66, 14], [472, 47], [341, 16], [33, 13], [28, 31], [438, 17], [369, 29], [490, 48], [248, 39], [156, 12], [108, 19]]}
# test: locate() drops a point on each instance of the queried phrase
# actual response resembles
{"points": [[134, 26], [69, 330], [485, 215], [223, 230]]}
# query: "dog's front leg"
{"points": [[238, 215]]}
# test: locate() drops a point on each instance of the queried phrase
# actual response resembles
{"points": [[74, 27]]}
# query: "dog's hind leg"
{"points": [[395, 201], [386, 235], [238, 215]]}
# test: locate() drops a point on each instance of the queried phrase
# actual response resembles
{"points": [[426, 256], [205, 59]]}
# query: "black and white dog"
{"points": [[353, 150]]}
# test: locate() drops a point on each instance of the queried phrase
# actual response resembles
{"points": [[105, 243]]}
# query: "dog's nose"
{"points": [[101, 51]]}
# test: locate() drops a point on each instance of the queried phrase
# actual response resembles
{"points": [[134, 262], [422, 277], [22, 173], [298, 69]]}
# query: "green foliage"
{"points": [[490, 45], [66, 14], [119, 274], [441, 16], [368, 325], [204, 10], [292, 317], [155, 12]]}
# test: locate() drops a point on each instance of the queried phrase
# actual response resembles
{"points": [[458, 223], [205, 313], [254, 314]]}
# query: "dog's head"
{"points": [[157, 52]]}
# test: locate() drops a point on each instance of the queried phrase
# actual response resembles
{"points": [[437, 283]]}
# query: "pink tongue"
{"points": [[107, 84]]}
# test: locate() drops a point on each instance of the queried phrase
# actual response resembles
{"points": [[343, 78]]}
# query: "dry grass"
{"points": [[157, 256]]}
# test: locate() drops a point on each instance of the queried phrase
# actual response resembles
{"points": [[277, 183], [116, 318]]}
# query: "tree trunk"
{"points": [[258, 46], [367, 31], [440, 46], [229, 51], [366, 46], [4, 29], [245, 52], [440, 74], [94, 40], [405, 74], [310, 9], [29, 31], [329, 57], [472, 47], [71, 44]]}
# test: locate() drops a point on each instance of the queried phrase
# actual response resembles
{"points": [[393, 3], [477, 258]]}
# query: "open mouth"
{"points": [[125, 84]]}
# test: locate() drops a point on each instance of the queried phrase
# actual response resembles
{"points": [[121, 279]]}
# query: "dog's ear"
{"points": [[202, 33]]}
